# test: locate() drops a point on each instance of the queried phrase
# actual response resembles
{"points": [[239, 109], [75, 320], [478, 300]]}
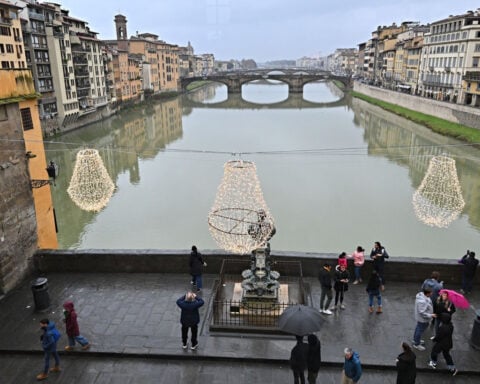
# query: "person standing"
{"points": [[49, 339], [196, 264], [189, 318], [443, 305], [72, 329], [378, 254], [470, 264], [314, 358], [358, 260], [443, 343], [325, 279], [342, 259], [298, 360], [341, 284], [352, 367], [423, 315], [373, 290], [434, 284], [406, 365]]}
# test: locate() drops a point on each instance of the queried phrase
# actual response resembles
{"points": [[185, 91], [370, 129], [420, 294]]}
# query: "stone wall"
{"points": [[456, 113], [157, 261], [18, 228]]}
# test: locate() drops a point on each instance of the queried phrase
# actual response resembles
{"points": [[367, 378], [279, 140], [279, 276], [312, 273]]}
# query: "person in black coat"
{"points": [[406, 366], [314, 358], [190, 317], [196, 265], [341, 284], [325, 278], [378, 255], [298, 360], [470, 264], [443, 343]]}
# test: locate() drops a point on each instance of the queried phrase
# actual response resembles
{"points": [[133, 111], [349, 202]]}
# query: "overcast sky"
{"points": [[261, 29]]}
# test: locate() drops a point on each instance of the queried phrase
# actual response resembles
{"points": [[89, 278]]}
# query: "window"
{"points": [[475, 62], [477, 47], [3, 113], [27, 121]]}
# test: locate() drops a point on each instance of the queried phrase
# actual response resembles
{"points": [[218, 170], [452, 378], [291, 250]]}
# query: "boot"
{"points": [[379, 309], [42, 376], [370, 309], [68, 348], [56, 368]]}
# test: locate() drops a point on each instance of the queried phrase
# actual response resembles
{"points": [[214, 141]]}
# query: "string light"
{"points": [[90, 186], [239, 220], [438, 201]]}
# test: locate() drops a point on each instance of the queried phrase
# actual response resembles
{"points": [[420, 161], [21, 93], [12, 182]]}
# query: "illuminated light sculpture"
{"points": [[239, 220], [438, 201], [90, 186]]}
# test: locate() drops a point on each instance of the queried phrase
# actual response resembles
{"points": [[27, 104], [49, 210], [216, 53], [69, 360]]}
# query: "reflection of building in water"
{"points": [[204, 93], [122, 141], [412, 145]]}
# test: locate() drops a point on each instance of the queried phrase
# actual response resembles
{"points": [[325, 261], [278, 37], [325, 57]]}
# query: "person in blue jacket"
{"points": [[49, 340], [190, 317], [352, 368]]}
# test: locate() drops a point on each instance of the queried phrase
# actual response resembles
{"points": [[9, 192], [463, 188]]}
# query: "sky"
{"points": [[262, 30]]}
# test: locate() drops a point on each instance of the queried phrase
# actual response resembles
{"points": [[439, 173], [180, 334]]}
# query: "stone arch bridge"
{"points": [[295, 79]]}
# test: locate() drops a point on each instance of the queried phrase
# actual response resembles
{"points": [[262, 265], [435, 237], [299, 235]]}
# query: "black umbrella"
{"points": [[300, 320]]}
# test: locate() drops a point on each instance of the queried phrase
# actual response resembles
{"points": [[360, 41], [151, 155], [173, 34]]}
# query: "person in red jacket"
{"points": [[72, 330]]}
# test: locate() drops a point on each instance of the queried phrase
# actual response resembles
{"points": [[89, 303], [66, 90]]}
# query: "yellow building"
{"points": [[12, 53], [27, 219]]}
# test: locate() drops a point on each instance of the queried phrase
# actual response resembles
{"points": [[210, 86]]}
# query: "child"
{"points": [[342, 259], [49, 340], [73, 331]]}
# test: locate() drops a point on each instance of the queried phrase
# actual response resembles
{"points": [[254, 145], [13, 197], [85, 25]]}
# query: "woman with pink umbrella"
{"points": [[443, 305]]}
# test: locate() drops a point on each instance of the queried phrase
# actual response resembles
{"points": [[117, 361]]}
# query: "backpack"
{"points": [[56, 334]]}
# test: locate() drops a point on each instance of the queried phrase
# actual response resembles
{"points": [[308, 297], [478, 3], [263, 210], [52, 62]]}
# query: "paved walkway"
{"points": [[135, 315]]}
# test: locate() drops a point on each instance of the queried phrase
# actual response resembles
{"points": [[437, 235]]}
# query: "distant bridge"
{"points": [[295, 79]]}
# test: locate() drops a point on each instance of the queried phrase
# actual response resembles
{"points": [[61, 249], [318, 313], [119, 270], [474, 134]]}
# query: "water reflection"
{"points": [[122, 141]]}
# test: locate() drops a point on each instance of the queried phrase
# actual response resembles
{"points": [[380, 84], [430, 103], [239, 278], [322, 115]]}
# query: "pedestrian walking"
{"points": [[314, 358], [406, 365], [373, 290], [352, 367], [189, 318], [196, 264], [443, 305], [423, 315], [49, 339], [470, 264], [341, 285], [443, 343], [298, 360], [72, 328], [378, 254], [325, 278], [358, 260]]}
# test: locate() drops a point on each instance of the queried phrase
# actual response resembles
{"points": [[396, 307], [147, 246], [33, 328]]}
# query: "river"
{"points": [[335, 173]]}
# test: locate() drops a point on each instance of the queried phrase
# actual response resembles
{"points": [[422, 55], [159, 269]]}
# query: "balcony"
{"points": [[36, 16], [471, 76], [45, 89], [5, 21], [437, 84], [447, 69], [39, 46]]}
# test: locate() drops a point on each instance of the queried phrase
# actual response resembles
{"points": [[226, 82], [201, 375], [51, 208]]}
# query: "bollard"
{"points": [[41, 297], [475, 338]]}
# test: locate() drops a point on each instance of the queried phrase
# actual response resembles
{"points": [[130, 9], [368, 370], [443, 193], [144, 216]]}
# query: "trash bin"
{"points": [[41, 297], [475, 338]]}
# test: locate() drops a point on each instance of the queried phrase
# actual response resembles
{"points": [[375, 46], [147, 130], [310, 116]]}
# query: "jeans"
{"points": [[79, 339], [53, 352], [194, 329], [197, 281], [357, 270], [371, 296], [419, 329], [326, 292], [446, 354], [339, 294]]}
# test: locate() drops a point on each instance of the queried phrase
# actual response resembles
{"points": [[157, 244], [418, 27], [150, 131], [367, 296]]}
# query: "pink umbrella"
{"points": [[456, 298]]}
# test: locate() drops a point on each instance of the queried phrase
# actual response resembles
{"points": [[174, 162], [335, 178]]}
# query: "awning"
{"points": [[402, 86]]}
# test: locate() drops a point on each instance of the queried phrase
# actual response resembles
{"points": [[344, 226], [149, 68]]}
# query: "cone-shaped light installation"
{"points": [[438, 201], [90, 186], [239, 220]]}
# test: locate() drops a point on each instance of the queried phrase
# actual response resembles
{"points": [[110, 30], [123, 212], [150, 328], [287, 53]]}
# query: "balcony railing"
{"points": [[46, 89], [433, 83], [5, 21], [36, 16]]}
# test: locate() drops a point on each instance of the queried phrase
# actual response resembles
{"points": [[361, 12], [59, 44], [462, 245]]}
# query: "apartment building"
{"points": [[450, 60], [12, 53]]}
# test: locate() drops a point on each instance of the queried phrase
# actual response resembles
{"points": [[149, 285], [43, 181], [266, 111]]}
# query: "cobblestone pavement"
{"points": [[94, 370], [135, 315]]}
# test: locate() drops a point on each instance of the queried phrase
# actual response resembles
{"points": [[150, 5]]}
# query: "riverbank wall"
{"points": [[456, 113], [403, 269]]}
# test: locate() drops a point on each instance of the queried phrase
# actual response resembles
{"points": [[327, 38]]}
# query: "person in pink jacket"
{"points": [[358, 261]]}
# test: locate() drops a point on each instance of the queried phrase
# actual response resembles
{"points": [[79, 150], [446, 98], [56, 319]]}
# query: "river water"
{"points": [[335, 173]]}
